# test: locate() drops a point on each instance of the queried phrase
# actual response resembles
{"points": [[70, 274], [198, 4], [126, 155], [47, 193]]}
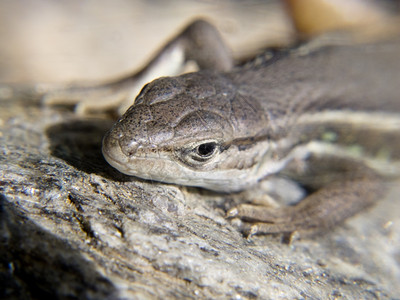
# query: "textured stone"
{"points": [[71, 227]]}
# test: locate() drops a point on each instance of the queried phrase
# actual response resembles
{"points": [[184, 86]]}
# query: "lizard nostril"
{"points": [[130, 148]]}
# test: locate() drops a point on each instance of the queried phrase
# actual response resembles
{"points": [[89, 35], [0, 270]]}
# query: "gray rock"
{"points": [[74, 228]]}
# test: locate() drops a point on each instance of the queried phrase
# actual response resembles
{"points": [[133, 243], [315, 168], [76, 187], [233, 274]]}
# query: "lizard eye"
{"points": [[206, 150], [199, 154]]}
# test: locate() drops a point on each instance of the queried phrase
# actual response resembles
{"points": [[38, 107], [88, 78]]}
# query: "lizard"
{"points": [[325, 115]]}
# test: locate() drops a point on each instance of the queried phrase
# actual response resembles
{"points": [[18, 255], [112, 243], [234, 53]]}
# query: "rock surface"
{"points": [[71, 227]]}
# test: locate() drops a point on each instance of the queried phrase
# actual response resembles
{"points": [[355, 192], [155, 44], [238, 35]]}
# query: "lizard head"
{"points": [[195, 130]]}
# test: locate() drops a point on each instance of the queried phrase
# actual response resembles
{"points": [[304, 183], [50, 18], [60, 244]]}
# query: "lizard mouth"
{"points": [[113, 154], [129, 165], [152, 168]]}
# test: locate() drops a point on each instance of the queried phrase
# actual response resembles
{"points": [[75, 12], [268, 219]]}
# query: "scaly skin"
{"points": [[327, 117]]}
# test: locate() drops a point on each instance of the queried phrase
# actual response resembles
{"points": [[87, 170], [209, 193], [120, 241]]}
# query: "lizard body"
{"points": [[326, 117]]}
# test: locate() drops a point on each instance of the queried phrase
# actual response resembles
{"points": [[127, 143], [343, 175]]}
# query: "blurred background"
{"points": [[73, 40], [63, 41]]}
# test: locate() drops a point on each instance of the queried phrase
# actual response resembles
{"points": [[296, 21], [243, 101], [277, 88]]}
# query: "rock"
{"points": [[72, 227]]}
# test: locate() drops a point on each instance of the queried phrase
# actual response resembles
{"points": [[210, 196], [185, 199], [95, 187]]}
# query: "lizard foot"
{"points": [[314, 214]]}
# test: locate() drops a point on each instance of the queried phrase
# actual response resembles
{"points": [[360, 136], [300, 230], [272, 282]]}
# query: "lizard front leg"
{"points": [[199, 42], [319, 211]]}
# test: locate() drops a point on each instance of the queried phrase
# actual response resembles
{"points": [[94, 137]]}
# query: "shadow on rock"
{"points": [[35, 264], [79, 144]]}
